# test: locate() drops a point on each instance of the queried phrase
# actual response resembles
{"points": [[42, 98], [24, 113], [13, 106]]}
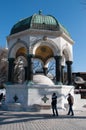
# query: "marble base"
{"points": [[35, 97]]}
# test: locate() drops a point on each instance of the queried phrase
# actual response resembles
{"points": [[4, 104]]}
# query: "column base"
{"points": [[58, 83]]}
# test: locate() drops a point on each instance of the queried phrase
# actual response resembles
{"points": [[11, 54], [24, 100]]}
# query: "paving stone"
{"points": [[41, 121]]}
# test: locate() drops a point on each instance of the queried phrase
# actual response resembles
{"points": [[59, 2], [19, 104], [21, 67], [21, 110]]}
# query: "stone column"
{"points": [[58, 69], [45, 70], [69, 72], [62, 74], [29, 68], [10, 69]]}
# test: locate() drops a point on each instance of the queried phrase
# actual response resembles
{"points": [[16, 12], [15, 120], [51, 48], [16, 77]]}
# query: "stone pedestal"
{"points": [[35, 97]]}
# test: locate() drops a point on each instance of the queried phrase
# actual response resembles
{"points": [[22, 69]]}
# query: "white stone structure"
{"points": [[44, 38], [36, 96]]}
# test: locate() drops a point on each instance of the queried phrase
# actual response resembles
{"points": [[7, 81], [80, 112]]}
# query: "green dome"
{"points": [[38, 21]]}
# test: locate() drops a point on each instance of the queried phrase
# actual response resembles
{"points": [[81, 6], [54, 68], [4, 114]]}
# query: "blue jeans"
{"points": [[70, 109]]}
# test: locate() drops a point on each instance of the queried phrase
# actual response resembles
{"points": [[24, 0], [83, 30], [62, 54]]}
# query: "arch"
{"points": [[66, 52], [21, 51], [16, 46], [49, 43], [63, 60]]}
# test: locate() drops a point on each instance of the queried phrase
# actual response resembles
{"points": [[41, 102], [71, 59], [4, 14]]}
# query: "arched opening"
{"points": [[21, 52], [44, 52]]}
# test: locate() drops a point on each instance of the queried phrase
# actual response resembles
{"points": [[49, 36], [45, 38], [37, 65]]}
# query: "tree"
{"points": [[3, 66]]}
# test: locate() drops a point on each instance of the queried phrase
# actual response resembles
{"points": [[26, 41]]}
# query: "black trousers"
{"points": [[54, 109]]}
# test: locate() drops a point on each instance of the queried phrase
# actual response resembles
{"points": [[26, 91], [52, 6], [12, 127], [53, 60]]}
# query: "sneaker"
{"points": [[68, 114], [72, 115]]}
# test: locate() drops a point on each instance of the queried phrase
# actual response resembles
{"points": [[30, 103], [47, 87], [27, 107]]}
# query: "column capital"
{"points": [[30, 55], [62, 66], [57, 57], [69, 62], [11, 59]]}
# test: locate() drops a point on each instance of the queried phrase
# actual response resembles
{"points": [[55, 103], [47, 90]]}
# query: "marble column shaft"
{"points": [[29, 68], [69, 72], [58, 68], [10, 69]]}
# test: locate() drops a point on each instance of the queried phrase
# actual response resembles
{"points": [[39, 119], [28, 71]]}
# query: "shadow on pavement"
{"points": [[7, 117]]}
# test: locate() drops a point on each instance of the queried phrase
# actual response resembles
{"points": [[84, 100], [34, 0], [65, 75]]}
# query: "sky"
{"points": [[70, 13]]}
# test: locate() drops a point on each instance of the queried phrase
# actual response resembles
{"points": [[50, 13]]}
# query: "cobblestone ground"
{"points": [[40, 121]]}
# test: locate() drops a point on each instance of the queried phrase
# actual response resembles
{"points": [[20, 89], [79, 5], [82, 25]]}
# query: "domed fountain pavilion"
{"points": [[38, 37]]}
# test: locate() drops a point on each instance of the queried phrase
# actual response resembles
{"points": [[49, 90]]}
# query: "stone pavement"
{"points": [[42, 121]]}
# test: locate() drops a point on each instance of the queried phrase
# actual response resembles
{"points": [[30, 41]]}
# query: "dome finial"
{"points": [[40, 12]]}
